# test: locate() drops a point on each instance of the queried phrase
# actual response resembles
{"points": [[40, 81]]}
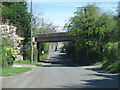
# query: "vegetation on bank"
{"points": [[21, 19], [27, 62], [8, 71], [107, 66], [99, 63], [112, 67], [44, 56], [7, 55], [95, 37], [45, 49]]}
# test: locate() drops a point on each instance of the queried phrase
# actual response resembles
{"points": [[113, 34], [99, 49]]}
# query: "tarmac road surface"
{"points": [[56, 74]]}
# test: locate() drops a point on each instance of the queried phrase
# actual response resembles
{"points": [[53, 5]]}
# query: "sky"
{"points": [[59, 11]]}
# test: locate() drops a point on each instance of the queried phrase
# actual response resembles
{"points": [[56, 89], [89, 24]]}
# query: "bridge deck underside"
{"points": [[56, 37]]}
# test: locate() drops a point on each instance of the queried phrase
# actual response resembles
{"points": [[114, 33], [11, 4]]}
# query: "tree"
{"points": [[17, 14], [43, 27], [91, 30]]}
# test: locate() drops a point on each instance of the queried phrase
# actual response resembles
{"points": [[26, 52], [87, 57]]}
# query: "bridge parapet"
{"points": [[53, 37]]}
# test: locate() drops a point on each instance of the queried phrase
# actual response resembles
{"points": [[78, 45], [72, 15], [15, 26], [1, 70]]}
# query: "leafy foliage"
{"points": [[112, 52], [46, 47], [16, 13], [111, 66], [27, 49], [7, 57], [91, 30]]}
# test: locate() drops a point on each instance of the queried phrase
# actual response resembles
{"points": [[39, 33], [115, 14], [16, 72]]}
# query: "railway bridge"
{"points": [[52, 37]]}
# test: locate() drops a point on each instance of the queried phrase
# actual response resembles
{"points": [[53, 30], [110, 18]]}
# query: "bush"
{"points": [[7, 57], [7, 53], [82, 55], [46, 47], [14, 54], [112, 51], [112, 67], [112, 54], [27, 52]]}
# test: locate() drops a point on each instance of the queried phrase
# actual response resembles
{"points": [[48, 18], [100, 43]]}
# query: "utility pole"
{"points": [[31, 33]]}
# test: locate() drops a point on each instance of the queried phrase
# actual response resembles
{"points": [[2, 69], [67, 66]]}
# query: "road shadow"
{"points": [[109, 82], [59, 60], [103, 80], [104, 83]]}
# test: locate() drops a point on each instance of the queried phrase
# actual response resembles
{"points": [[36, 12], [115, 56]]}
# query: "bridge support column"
{"points": [[39, 51]]}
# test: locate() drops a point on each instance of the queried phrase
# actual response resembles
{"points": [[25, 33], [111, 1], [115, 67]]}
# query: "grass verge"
{"points": [[43, 57], [109, 66], [112, 67], [98, 63], [8, 71], [27, 62]]}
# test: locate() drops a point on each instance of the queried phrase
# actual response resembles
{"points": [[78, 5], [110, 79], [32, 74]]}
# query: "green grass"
{"points": [[43, 57], [8, 71], [46, 47], [98, 63], [27, 62], [113, 67]]}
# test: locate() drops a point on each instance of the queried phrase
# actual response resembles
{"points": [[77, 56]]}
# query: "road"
{"points": [[57, 74]]}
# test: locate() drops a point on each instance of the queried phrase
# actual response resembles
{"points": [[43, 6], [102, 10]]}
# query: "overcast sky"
{"points": [[60, 11]]}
